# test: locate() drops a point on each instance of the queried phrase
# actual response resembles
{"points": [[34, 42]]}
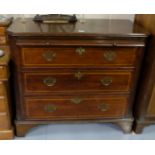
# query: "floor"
{"points": [[85, 132]]}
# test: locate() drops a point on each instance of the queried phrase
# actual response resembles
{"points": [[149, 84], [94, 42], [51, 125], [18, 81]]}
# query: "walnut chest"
{"points": [[75, 72]]}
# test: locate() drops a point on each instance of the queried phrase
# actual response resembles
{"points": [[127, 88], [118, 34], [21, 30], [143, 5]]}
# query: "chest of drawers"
{"points": [[6, 130], [84, 72]]}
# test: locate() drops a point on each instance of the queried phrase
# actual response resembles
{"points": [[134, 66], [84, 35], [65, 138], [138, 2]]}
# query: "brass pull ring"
{"points": [[109, 55], [106, 81], [80, 51], [103, 107], [50, 108], [49, 55], [49, 81]]}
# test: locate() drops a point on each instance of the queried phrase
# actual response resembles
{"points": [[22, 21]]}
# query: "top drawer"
{"points": [[2, 30], [79, 56]]}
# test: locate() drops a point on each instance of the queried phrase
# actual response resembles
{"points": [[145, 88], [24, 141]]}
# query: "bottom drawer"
{"points": [[75, 107], [4, 121]]}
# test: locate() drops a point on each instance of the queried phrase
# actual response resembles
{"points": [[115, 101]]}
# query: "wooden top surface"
{"points": [[90, 27]]}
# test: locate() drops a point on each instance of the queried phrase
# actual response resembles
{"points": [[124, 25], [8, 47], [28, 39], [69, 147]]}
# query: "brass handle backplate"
{"points": [[76, 100], [49, 81], [109, 55], [80, 51], [50, 108], [106, 81], [103, 107], [78, 75], [49, 55]]}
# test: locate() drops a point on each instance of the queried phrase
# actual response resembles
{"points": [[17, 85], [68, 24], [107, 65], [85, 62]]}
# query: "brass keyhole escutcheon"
{"points": [[76, 100], [103, 107], [106, 81], [49, 81], [49, 55], [78, 75], [80, 51], [110, 55], [50, 108]]}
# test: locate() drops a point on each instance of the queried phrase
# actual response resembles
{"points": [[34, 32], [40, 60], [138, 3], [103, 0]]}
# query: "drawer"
{"points": [[2, 30], [3, 103], [3, 40], [2, 89], [77, 81], [79, 56], [3, 73], [3, 97], [4, 121], [76, 107], [4, 60]]}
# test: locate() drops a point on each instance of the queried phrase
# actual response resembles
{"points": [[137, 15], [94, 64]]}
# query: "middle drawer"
{"points": [[2, 88], [77, 81]]}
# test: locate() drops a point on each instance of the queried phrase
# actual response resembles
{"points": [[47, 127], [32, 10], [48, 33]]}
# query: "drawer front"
{"points": [[4, 121], [2, 89], [76, 107], [80, 56], [3, 73], [2, 104], [4, 60], [77, 81], [3, 40], [2, 30]]}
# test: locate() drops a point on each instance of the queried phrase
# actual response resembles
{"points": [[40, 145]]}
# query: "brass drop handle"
{"points": [[106, 81], [49, 55], [50, 108], [78, 75], [103, 107], [80, 51], [109, 55], [76, 100], [49, 81]]}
